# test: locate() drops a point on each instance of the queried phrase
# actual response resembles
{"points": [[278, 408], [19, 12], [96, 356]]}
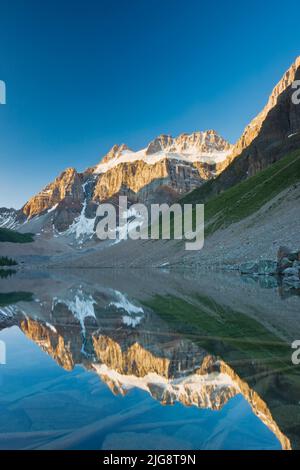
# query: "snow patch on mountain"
{"points": [[81, 307], [203, 147], [8, 219], [52, 208], [131, 321], [123, 303], [133, 317], [129, 156], [51, 327], [82, 227]]}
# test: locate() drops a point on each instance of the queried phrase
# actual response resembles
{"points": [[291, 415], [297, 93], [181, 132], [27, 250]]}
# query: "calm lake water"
{"points": [[147, 360]]}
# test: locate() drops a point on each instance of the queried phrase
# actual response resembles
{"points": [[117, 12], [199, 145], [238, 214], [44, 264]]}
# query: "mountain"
{"points": [[270, 136], [250, 208], [162, 172], [9, 217], [288, 124], [191, 167], [245, 222]]}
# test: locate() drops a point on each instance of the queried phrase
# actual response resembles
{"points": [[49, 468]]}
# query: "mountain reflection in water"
{"points": [[213, 346]]}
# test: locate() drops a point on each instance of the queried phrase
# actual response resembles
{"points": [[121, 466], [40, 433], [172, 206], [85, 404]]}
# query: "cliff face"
{"points": [[9, 218], [292, 118], [141, 182], [167, 168], [63, 199], [197, 143], [270, 136], [172, 165]]}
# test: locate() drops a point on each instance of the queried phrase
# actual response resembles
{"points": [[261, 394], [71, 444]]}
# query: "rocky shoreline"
{"points": [[286, 269]]}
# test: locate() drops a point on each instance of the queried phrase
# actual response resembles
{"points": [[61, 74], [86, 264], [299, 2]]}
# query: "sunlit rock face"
{"points": [[199, 143], [67, 187], [271, 135], [115, 152], [163, 171], [292, 117], [141, 182], [178, 164], [166, 169]]}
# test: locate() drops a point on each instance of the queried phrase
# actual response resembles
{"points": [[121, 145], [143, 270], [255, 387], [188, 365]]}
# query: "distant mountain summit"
{"points": [[284, 85], [273, 133], [197, 143], [161, 172], [201, 147], [115, 152], [165, 170]]}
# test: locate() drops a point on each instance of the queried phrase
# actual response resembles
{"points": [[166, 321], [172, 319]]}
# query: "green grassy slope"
{"points": [[247, 197], [7, 235]]}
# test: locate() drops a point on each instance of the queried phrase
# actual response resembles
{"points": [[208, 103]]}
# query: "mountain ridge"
{"points": [[167, 168], [271, 135], [200, 165]]}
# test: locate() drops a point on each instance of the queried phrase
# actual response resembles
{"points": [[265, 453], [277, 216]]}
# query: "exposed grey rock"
{"points": [[271, 135], [295, 256], [250, 267], [268, 282], [115, 152], [283, 252], [291, 272], [283, 264], [160, 143], [296, 264], [267, 267], [286, 256], [203, 141], [292, 281]]}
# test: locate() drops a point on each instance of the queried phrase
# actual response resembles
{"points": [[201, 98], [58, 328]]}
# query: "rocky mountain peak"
{"points": [[196, 142], [8, 217], [287, 79], [162, 142], [253, 129], [67, 186], [115, 152], [201, 142]]}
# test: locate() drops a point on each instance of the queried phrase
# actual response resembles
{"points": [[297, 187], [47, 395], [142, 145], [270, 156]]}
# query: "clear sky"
{"points": [[84, 75]]}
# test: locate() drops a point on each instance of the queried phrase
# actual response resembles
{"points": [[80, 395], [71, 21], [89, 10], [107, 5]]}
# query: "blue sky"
{"points": [[84, 75]]}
